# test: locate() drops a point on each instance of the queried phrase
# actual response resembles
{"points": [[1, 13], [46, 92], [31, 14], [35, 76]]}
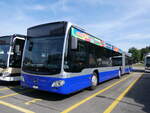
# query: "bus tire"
{"points": [[94, 81], [129, 71], [119, 74]]}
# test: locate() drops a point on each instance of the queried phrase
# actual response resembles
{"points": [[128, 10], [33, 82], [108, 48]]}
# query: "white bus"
{"points": [[11, 49], [147, 63]]}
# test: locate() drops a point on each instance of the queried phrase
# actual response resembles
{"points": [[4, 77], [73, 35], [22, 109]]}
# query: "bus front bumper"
{"points": [[147, 70], [3, 78], [69, 85]]}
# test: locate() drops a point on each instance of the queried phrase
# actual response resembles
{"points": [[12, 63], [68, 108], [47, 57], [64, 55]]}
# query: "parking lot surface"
{"points": [[130, 94]]}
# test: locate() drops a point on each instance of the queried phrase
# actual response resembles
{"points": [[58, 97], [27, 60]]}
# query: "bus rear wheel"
{"points": [[129, 71], [119, 74], [94, 81]]}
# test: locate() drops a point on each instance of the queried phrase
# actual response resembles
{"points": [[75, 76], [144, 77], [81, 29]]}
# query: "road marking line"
{"points": [[16, 107], [93, 95], [8, 88], [120, 97], [4, 88], [13, 94], [32, 101]]}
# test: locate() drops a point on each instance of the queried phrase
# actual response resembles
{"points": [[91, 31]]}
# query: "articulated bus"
{"points": [[147, 63], [119, 60], [62, 58], [11, 50]]}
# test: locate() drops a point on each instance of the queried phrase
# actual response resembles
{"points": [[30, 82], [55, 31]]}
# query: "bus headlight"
{"points": [[5, 74], [58, 83], [145, 67], [22, 78]]}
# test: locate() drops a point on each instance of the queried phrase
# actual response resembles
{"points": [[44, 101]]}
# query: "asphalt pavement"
{"points": [[130, 94]]}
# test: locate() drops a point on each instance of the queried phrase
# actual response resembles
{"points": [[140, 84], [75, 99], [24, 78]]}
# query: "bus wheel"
{"points": [[94, 81], [129, 71], [119, 74]]}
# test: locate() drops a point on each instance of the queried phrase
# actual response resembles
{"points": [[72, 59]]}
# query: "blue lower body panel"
{"points": [[103, 76], [71, 85], [129, 69]]}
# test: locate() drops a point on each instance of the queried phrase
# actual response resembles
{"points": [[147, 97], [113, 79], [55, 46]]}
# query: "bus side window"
{"points": [[92, 62], [103, 56], [126, 61], [77, 59]]}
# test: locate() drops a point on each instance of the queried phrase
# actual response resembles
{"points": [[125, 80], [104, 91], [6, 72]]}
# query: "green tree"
{"points": [[144, 51], [136, 55]]}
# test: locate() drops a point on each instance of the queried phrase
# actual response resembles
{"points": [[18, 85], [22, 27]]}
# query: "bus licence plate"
{"points": [[35, 87]]}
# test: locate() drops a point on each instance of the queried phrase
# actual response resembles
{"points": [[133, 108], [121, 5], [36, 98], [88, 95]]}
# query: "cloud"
{"points": [[128, 25], [135, 37], [53, 7], [114, 21], [24, 17], [59, 6], [37, 7], [128, 44], [138, 40]]}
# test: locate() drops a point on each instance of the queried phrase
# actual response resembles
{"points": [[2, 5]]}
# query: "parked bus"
{"points": [[62, 58], [147, 63], [11, 50]]}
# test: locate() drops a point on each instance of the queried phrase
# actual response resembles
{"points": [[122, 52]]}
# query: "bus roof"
{"points": [[148, 55], [14, 35], [107, 45], [47, 24]]}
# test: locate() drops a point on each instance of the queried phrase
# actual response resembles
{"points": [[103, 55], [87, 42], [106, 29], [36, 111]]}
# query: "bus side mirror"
{"points": [[74, 43]]}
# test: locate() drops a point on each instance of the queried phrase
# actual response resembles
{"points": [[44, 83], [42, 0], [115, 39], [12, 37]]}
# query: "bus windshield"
{"points": [[43, 55], [148, 61], [4, 48], [117, 61]]}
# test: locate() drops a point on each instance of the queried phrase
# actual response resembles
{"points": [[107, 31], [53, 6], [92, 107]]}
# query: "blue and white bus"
{"points": [[62, 58], [124, 61]]}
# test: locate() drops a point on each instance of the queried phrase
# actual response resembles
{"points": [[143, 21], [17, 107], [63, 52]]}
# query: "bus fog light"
{"points": [[5, 74], [58, 83]]}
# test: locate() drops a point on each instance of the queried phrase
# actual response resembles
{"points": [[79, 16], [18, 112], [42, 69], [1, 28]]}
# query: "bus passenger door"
{"points": [[16, 57]]}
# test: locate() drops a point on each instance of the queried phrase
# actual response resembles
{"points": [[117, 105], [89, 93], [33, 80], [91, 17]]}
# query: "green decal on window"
{"points": [[84, 36]]}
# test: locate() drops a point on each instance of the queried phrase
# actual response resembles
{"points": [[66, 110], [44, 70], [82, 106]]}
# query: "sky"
{"points": [[123, 23]]}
